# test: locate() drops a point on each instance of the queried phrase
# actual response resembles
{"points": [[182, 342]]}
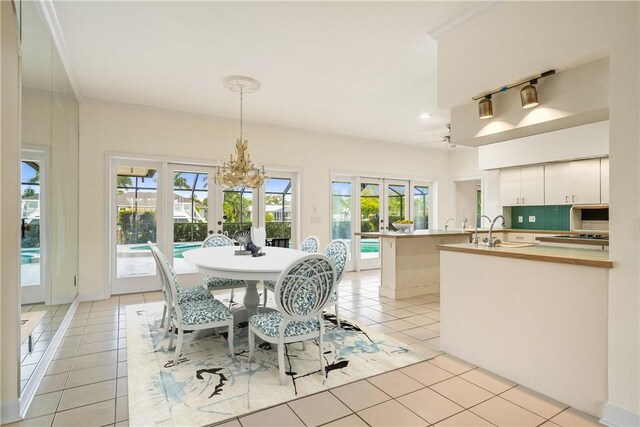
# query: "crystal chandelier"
{"points": [[240, 171]]}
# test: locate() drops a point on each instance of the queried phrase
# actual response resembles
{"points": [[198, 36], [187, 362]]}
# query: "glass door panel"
{"points": [[191, 212], [277, 208], [396, 198], [30, 241], [370, 221], [420, 207], [237, 209], [341, 217], [136, 217]]}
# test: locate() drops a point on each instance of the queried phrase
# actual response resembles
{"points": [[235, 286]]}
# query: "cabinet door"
{"points": [[557, 184], [585, 180], [510, 187], [532, 185], [520, 237], [604, 180]]}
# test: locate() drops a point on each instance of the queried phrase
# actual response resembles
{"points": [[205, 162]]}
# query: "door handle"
{"points": [[573, 198], [523, 200], [566, 199], [219, 222], [517, 200], [210, 231]]}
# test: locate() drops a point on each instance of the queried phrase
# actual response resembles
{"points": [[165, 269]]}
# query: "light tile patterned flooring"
{"points": [[86, 384]]}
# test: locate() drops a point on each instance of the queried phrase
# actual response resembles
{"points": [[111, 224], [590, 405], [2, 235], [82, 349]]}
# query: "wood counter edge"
{"points": [[532, 257], [415, 235], [574, 241]]}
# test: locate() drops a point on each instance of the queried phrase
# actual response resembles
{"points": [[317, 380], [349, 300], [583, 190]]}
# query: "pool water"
{"points": [[178, 248], [369, 246], [29, 255]]}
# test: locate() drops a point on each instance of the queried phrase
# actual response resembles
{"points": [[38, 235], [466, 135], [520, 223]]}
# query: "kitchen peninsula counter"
{"points": [[575, 256], [410, 261], [535, 315]]}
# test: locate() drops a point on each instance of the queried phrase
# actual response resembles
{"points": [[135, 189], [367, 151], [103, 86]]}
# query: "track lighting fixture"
{"points": [[528, 94], [485, 107]]}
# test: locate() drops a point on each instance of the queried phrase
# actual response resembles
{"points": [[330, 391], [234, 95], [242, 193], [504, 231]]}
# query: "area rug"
{"points": [[208, 386]]}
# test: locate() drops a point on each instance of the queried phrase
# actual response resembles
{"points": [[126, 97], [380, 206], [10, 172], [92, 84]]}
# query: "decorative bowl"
{"points": [[402, 227]]}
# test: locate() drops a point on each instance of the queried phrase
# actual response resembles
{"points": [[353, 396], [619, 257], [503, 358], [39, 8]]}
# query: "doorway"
{"points": [[468, 203]]}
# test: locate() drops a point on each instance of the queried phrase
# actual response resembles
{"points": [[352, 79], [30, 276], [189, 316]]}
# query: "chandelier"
{"points": [[240, 171]]}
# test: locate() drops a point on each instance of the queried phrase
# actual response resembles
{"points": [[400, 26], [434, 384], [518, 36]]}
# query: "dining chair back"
{"points": [[310, 244], [301, 292], [337, 251], [216, 241], [280, 242], [190, 315]]}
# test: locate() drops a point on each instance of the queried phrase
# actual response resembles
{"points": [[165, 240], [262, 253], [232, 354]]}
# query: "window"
{"points": [[420, 208], [277, 207], [237, 208]]}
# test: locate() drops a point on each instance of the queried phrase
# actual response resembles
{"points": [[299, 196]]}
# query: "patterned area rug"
{"points": [[208, 386]]}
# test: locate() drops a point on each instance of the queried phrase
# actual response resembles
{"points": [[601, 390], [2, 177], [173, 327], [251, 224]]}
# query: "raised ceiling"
{"points": [[354, 68]]}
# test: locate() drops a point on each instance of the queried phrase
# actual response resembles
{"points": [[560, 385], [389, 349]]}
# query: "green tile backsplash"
{"points": [[554, 217]]}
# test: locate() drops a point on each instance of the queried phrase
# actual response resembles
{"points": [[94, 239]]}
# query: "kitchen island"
{"points": [[410, 262], [536, 315]]}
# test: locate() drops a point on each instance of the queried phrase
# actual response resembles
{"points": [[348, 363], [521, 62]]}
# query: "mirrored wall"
{"points": [[49, 181]]}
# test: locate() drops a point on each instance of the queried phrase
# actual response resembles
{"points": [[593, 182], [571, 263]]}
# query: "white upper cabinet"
{"points": [[522, 186], [532, 185], [572, 183], [510, 187], [604, 180]]}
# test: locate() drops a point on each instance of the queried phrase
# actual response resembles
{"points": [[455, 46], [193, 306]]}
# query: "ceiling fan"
{"points": [[444, 140]]}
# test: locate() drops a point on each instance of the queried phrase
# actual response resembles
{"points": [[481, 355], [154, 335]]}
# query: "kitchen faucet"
{"points": [[446, 224], [475, 235], [489, 240]]}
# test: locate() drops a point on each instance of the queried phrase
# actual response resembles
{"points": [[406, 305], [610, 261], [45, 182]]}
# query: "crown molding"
{"points": [[48, 12], [460, 20]]}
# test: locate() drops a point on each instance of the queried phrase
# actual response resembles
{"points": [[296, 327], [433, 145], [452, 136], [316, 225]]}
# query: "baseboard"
{"points": [[617, 417], [29, 392], [10, 412], [97, 296]]}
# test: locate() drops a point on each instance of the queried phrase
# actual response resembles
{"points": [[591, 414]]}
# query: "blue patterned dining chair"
{"points": [[302, 291], [218, 283], [337, 251], [311, 245], [184, 294], [191, 315]]}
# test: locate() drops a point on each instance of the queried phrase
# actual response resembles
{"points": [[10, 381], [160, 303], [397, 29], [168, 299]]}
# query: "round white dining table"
{"points": [[222, 262]]}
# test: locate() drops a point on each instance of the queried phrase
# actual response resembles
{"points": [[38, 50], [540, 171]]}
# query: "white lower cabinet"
{"points": [[520, 237]]}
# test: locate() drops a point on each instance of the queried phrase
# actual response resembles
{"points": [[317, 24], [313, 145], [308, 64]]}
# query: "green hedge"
{"points": [[140, 230]]}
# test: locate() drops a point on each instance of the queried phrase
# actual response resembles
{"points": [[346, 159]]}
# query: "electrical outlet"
{"points": [[532, 218], [520, 219]]}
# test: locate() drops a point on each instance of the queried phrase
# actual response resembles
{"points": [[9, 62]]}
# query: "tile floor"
{"points": [[86, 384]]}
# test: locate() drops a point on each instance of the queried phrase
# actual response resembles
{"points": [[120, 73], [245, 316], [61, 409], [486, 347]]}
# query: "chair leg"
{"points": [[230, 338], [264, 296], [170, 327], [304, 345], [167, 324], [164, 314], [283, 376], [176, 357], [337, 315], [231, 298], [321, 347], [252, 343]]}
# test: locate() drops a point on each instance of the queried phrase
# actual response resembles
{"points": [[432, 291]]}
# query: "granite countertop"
{"points": [[418, 233], [575, 256]]}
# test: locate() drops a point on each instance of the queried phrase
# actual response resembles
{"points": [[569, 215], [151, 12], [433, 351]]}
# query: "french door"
{"points": [[373, 204], [33, 225]]}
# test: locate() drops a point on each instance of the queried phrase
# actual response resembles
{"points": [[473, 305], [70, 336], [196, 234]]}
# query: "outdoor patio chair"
{"points": [[219, 283], [185, 294], [337, 251], [302, 291], [191, 315]]}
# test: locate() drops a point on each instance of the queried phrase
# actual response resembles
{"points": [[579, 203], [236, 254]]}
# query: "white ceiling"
{"points": [[353, 68]]}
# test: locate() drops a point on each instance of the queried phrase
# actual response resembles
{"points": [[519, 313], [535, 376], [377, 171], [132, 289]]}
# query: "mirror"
{"points": [[49, 180]]}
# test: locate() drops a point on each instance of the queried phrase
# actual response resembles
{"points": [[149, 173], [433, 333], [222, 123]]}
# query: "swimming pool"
{"points": [[29, 255], [368, 246], [178, 248]]}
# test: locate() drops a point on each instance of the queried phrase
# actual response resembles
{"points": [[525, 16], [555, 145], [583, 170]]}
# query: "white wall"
{"points": [[9, 216], [465, 202], [127, 129], [516, 39]]}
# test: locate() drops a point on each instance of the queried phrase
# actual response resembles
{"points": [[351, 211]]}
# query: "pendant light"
{"points": [[485, 107], [529, 95]]}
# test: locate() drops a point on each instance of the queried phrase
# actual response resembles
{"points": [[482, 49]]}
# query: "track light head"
{"points": [[529, 95], [485, 107]]}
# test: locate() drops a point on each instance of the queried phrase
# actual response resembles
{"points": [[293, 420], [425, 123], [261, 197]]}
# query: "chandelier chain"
{"points": [[241, 102]]}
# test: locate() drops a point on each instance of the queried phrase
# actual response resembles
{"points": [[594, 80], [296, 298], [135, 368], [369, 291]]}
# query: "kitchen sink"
{"points": [[514, 245]]}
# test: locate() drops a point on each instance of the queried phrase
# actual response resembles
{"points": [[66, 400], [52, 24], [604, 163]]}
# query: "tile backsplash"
{"points": [[555, 217]]}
